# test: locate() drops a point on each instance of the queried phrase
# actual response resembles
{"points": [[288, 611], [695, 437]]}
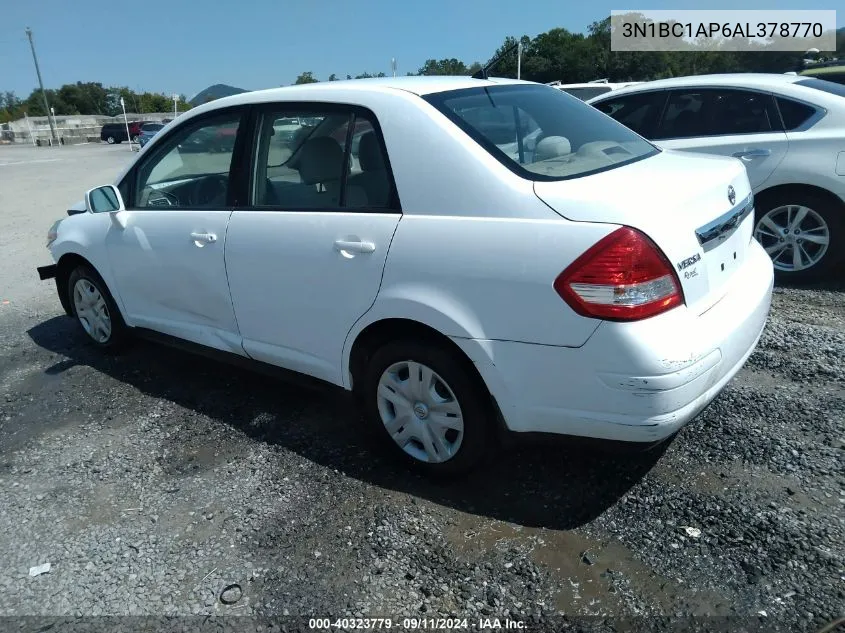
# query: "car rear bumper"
{"points": [[635, 382]]}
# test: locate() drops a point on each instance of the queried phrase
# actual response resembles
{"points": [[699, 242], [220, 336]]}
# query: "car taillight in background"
{"points": [[623, 277]]}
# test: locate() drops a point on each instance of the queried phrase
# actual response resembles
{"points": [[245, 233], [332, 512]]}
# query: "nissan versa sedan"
{"points": [[489, 252], [788, 130]]}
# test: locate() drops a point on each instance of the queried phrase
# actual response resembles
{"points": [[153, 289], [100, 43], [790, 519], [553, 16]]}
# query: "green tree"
{"points": [[450, 66], [332, 77], [306, 78]]}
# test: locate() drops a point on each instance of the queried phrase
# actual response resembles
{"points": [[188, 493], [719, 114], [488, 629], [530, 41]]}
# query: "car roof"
{"points": [[416, 85], [744, 80], [327, 89]]}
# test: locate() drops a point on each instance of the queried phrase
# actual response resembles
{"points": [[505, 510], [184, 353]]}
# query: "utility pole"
{"points": [[41, 85]]}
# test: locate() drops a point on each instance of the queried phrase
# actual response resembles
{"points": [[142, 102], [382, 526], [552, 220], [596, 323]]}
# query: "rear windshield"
{"points": [[825, 86], [541, 133], [152, 127]]}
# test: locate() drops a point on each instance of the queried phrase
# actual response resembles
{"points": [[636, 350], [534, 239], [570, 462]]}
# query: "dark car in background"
{"points": [[116, 132]]}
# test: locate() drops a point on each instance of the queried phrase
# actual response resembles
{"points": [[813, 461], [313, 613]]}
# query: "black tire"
{"points": [[111, 140], [135, 139], [119, 331], [468, 389], [833, 216]]}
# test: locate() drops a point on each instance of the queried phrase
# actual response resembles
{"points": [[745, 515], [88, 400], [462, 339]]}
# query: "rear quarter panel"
{"points": [[812, 160], [484, 279]]}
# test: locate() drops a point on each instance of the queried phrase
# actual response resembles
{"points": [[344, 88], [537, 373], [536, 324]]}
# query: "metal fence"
{"points": [[70, 130], [66, 135]]}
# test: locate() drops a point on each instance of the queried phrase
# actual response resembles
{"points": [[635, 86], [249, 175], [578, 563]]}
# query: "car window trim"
{"points": [[778, 121], [162, 147], [261, 110]]}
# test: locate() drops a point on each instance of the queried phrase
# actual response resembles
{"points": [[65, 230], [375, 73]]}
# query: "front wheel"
{"points": [[428, 407], [95, 310], [110, 140], [803, 234]]}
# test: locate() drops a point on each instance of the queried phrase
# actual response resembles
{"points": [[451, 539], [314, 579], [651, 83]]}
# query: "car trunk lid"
{"points": [[696, 208]]}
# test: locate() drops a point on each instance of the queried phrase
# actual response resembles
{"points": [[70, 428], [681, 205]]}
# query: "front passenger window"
{"points": [[191, 169]]}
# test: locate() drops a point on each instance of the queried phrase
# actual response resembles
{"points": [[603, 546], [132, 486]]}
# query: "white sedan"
{"points": [[587, 283], [790, 133]]}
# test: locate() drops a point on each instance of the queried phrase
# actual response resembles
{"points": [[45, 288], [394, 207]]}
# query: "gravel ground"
{"points": [[160, 484]]}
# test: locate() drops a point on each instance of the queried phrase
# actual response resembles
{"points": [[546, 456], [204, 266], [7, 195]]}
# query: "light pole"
{"points": [[175, 101], [41, 85]]}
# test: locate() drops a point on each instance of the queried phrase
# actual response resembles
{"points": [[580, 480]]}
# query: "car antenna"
{"points": [[484, 72]]}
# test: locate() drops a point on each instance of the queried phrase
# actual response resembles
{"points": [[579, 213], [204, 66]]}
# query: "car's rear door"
{"points": [[731, 122], [166, 250], [305, 258]]}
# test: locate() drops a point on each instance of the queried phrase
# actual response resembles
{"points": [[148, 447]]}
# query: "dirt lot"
{"points": [[153, 480]]}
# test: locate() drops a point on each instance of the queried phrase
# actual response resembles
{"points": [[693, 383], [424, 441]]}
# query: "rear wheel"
{"points": [[110, 140], [427, 407], [95, 310], [802, 233]]}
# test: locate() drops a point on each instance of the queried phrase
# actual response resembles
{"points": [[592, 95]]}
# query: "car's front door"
{"points": [[305, 260], [739, 123], [166, 250]]}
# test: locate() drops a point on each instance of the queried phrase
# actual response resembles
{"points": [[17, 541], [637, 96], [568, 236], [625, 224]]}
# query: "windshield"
{"points": [[824, 86], [541, 133]]}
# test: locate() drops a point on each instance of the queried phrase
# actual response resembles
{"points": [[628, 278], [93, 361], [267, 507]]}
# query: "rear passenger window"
{"points": [[716, 112], [794, 114], [320, 161]]}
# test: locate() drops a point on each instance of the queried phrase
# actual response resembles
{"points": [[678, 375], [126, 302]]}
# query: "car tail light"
{"points": [[623, 277]]}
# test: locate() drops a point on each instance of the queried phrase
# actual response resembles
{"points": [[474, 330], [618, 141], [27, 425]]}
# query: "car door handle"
{"points": [[354, 247], [205, 238], [753, 153]]}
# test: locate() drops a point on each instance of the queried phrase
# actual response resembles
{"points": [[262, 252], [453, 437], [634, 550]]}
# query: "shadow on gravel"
{"points": [[556, 484]]}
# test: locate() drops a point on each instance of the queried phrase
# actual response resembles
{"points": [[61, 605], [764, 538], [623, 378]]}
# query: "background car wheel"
{"points": [[135, 139], [427, 407], [95, 310], [802, 233], [110, 140]]}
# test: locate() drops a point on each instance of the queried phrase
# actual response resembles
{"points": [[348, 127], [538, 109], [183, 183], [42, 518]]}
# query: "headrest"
{"points": [[320, 160], [369, 153], [551, 147]]}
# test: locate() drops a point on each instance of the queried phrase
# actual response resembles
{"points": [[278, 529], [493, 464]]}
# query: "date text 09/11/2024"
{"points": [[482, 624]]}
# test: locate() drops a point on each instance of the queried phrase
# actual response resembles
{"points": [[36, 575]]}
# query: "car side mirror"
{"points": [[105, 199]]}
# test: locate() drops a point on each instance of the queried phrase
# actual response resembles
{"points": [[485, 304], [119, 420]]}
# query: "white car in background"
{"points": [[788, 130], [591, 89], [591, 285]]}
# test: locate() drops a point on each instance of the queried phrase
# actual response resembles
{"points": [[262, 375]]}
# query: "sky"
{"points": [[184, 46]]}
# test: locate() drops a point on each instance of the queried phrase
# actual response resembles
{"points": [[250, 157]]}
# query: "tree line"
{"points": [[556, 55], [569, 57], [87, 98]]}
